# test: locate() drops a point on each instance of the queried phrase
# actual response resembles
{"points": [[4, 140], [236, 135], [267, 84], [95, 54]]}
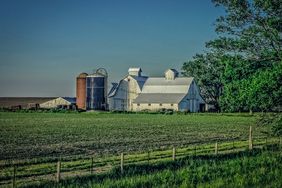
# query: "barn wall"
{"points": [[154, 106], [194, 98]]}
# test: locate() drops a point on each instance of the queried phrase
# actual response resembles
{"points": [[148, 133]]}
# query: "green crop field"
{"points": [[30, 135], [35, 141]]}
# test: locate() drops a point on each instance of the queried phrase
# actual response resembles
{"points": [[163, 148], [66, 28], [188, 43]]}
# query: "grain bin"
{"points": [[81, 91], [96, 90]]}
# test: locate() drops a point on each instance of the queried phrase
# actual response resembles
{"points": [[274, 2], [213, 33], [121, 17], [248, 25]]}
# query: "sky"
{"points": [[45, 44]]}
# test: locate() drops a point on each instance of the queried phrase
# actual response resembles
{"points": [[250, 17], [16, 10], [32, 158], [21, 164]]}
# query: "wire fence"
{"points": [[17, 174]]}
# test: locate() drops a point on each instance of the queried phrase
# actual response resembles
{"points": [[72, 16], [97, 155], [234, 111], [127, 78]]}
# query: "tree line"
{"points": [[241, 69]]}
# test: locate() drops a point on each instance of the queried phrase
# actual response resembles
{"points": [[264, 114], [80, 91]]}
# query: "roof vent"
{"points": [[171, 74], [134, 71]]}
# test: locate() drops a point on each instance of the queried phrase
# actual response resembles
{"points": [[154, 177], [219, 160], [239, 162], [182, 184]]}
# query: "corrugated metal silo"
{"points": [[96, 90], [81, 91]]}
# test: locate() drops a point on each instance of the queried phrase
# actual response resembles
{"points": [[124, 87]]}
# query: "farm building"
{"points": [[91, 90], [60, 102], [122, 94], [23, 102], [136, 93]]}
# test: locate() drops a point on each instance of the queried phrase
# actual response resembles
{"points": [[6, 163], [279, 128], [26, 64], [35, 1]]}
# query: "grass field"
{"points": [[35, 141], [245, 169], [31, 135]]}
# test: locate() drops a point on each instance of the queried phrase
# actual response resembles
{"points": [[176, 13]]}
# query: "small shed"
{"points": [[66, 102]]}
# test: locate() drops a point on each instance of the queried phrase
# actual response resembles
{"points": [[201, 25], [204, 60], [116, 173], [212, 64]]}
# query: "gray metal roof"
{"points": [[162, 85], [71, 100], [159, 98], [162, 81], [113, 89], [139, 79]]}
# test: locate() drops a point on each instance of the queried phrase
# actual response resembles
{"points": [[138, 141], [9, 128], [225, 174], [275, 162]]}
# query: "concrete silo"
{"points": [[96, 90], [81, 91]]}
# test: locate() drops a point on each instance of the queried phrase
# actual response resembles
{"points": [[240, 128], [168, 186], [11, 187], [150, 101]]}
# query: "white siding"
{"points": [[127, 91], [194, 98], [154, 106]]}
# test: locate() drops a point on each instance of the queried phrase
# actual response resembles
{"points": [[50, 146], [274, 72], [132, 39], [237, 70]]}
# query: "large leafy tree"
{"points": [[250, 28], [207, 70], [246, 56]]}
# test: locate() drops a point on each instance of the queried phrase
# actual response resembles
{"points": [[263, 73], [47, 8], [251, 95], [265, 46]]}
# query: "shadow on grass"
{"points": [[143, 169]]}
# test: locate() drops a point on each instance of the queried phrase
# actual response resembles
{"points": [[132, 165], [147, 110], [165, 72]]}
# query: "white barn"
{"points": [[139, 93], [122, 94]]}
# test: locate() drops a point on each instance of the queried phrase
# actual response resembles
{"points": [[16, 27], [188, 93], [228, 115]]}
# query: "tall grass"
{"points": [[259, 168]]}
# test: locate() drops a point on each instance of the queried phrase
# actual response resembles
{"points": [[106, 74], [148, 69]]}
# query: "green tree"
{"points": [[206, 69], [245, 60], [261, 91], [251, 29], [265, 89]]}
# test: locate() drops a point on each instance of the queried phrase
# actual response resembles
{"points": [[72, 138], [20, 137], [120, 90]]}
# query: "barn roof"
{"points": [[113, 89], [173, 70], [159, 98], [139, 79], [71, 100], [162, 85], [134, 69]]}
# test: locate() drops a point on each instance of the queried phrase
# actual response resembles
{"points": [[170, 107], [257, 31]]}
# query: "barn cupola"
{"points": [[171, 74], [134, 71]]}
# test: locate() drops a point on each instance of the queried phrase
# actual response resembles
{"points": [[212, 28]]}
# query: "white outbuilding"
{"points": [[59, 102], [138, 93]]}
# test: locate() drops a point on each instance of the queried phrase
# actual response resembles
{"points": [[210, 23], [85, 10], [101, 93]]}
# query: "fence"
{"points": [[50, 170]]}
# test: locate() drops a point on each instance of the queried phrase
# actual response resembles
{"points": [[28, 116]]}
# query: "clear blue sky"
{"points": [[45, 44]]}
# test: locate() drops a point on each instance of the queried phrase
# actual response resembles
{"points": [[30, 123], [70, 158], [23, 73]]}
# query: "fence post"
{"points": [[91, 166], [216, 148], [14, 177], [121, 162], [58, 171], [173, 153], [250, 139], [195, 150], [148, 157]]}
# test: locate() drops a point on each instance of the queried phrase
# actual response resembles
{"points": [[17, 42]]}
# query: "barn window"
{"points": [[149, 104], [161, 104], [171, 104]]}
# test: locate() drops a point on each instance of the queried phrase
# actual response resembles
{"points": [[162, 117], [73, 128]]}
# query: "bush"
{"points": [[169, 111], [271, 119]]}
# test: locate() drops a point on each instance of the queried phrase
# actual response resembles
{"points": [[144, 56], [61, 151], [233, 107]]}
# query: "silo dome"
{"points": [[82, 75]]}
